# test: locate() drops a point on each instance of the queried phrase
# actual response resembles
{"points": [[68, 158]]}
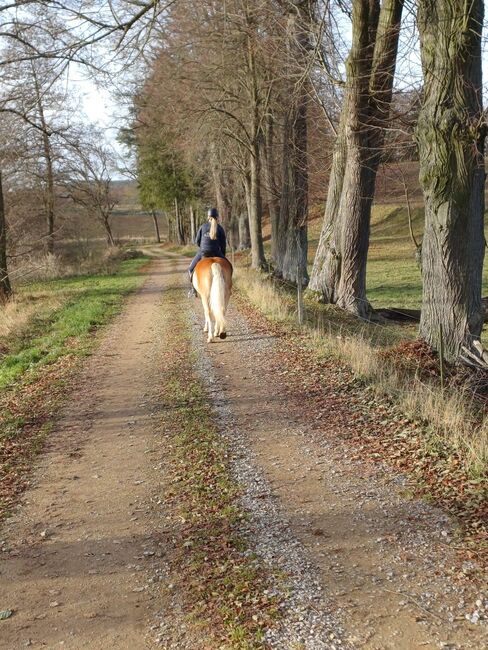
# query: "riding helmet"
{"points": [[213, 212]]}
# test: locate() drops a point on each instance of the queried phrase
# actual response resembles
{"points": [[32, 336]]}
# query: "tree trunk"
{"points": [[105, 219], [450, 134], [221, 196], [180, 237], [258, 260], [325, 271], [5, 287], [292, 240], [193, 225], [244, 234], [47, 152], [156, 226], [339, 272], [270, 184]]}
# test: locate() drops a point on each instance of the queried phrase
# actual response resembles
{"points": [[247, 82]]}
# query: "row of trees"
{"points": [[53, 166], [242, 92]]}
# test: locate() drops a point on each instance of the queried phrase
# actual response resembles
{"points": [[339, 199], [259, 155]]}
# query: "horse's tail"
{"points": [[217, 296]]}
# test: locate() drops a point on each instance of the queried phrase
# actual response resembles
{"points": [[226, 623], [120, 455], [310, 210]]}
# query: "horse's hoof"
{"points": [[223, 335]]}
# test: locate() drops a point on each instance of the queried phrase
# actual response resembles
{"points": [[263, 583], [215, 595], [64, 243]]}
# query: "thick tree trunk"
{"points": [[325, 271], [156, 226], [450, 135], [339, 272], [270, 184], [258, 261], [292, 240], [5, 287], [244, 234]]}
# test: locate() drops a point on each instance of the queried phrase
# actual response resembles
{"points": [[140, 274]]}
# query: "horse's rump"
{"points": [[213, 280]]}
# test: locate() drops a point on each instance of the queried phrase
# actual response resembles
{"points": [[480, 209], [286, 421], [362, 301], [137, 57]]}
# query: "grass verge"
{"points": [[224, 584], [40, 359]]}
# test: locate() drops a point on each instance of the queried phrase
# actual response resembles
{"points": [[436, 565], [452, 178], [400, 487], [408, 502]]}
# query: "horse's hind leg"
{"points": [[208, 320]]}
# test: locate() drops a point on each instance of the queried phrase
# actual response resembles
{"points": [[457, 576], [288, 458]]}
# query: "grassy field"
{"points": [[50, 318]]}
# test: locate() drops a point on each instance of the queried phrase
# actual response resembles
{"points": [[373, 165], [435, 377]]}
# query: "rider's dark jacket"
{"points": [[211, 247]]}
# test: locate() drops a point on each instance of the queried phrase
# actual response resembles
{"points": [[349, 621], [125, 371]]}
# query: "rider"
{"points": [[210, 239]]}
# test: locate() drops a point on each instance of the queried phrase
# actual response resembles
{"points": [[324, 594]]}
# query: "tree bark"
{"points": [[291, 263], [258, 260], [156, 226], [244, 217], [339, 272], [105, 219], [270, 183], [193, 225], [180, 236], [5, 287], [450, 134], [221, 196], [325, 270]]}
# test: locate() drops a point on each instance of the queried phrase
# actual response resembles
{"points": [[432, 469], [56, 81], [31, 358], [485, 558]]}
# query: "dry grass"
{"points": [[448, 415], [35, 297], [18, 313]]}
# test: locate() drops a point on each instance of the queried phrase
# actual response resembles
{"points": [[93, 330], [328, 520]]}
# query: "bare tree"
{"points": [[90, 183], [5, 287]]}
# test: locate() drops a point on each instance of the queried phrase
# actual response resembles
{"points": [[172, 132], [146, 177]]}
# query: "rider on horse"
{"points": [[211, 241]]}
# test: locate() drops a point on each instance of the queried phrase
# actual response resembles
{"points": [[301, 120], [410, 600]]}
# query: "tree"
{"points": [[291, 247], [89, 181], [339, 271], [451, 133], [5, 287]]}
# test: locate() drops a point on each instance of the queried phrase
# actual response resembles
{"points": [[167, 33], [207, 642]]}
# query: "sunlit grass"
{"points": [[54, 317]]}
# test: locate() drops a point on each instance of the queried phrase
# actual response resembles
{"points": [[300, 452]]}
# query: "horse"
{"points": [[212, 280]]}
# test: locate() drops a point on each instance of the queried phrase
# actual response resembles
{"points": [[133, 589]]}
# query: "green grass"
{"points": [[66, 313], [393, 277]]}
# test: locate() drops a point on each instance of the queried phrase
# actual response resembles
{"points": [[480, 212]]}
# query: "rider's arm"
{"points": [[198, 239]]}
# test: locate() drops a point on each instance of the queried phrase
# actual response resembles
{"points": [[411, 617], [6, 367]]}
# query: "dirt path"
{"points": [[386, 561], [77, 557], [79, 560]]}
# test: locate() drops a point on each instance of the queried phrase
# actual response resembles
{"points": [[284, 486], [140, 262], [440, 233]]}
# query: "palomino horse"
{"points": [[212, 279]]}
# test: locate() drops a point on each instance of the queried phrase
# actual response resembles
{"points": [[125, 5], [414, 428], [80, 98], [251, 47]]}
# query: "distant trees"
{"points": [[89, 180], [38, 40]]}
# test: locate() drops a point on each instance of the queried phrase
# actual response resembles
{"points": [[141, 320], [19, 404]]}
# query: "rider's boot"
{"points": [[192, 293]]}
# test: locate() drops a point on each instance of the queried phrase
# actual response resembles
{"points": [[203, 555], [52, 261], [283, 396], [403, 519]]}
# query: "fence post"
{"points": [[441, 355], [299, 295]]}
